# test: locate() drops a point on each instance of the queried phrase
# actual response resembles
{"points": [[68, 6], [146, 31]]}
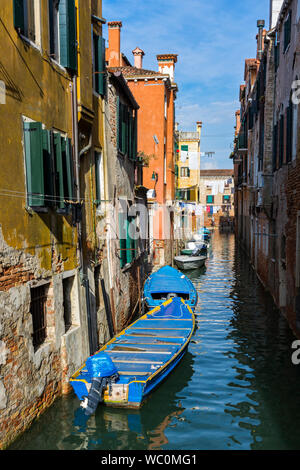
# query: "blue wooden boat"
{"points": [[141, 356], [169, 282]]}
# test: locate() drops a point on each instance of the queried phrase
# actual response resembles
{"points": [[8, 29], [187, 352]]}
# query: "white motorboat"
{"points": [[193, 261]]}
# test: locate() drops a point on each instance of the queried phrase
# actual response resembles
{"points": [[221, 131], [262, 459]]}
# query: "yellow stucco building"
{"points": [[52, 183], [188, 165]]}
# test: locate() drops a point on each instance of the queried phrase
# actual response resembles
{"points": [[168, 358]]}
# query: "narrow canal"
{"points": [[236, 388]]}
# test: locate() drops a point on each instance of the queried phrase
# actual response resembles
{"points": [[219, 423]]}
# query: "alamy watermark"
{"points": [[296, 354], [2, 92], [296, 92]]}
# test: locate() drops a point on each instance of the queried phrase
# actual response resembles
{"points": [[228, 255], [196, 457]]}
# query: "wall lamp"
{"points": [[154, 176]]}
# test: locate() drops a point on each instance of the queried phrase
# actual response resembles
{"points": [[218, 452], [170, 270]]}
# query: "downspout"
{"points": [[84, 276], [77, 155]]}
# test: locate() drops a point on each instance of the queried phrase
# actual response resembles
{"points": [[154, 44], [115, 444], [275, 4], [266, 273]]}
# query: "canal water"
{"points": [[236, 387]]}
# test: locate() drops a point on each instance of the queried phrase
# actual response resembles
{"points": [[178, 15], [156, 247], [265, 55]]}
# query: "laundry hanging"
{"points": [[193, 161], [183, 156]]}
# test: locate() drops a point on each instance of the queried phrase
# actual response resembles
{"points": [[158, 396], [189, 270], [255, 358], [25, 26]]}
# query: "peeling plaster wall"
{"points": [[31, 380]]}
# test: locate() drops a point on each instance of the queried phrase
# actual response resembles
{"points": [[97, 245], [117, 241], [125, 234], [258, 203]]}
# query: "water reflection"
{"points": [[236, 388], [112, 428]]}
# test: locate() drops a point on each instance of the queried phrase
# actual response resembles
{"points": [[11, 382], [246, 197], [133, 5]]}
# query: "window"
{"points": [[281, 140], [128, 238], [99, 64], [38, 311], [99, 172], [275, 146], [210, 199], [185, 148], [226, 199], [27, 19], [127, 130], [49, 167], [289, 132], [295, 130], [54, 29], [184, 172], [68, 285], [63, 170], [62, 32], [287, 31]]}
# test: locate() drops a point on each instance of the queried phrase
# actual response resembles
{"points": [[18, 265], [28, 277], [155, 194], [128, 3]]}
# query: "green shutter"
{"points": [[128, 133], [210, 199], [101, 66], [129, 253], [34, 164], [69, 168], [118, 120], [58, 148], [185, 148], [19, 20], [123, 238], [48, 168], [67, 31], [99, 52], [176, 170], [135, 136], [133, 241], [123, 123]]}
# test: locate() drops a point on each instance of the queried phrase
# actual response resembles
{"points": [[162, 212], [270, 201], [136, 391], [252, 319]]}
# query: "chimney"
{"points": [[199, 127], [138, 57], [260, 25], [114, 57], [166, 64], [275, 7]]}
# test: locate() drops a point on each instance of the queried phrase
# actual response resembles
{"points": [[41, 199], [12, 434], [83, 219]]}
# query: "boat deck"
{"points": [[147, 347]]}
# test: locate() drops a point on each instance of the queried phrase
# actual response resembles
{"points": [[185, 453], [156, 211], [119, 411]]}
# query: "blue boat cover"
{"points": [[168, 279]]}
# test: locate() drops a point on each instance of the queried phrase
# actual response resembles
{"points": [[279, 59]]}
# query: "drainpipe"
{"points": [[83, 276]]}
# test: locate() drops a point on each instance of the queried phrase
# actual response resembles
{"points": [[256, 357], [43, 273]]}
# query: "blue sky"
{"points": [[212, 39]]}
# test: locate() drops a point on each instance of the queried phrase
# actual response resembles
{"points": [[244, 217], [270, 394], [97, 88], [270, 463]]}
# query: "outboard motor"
{"points": [[103, 372], [172, 295], [203, 251]]}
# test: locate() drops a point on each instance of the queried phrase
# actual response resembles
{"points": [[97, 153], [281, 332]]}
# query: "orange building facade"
{"points": [[155, 93]]}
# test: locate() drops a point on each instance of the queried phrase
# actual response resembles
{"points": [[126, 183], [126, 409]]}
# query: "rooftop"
{"points": [[131, 72], [189, 135], [214, 172]]}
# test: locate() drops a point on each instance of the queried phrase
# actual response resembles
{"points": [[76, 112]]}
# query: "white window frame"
{"points": [[99, 169], [37, 42]]}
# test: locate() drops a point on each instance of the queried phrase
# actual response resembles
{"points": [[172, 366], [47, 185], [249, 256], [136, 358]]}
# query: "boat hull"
{"points": [[144, 354], [189, 262]]}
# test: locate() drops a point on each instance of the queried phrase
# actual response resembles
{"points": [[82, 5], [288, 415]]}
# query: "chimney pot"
{"points": [[138, 57]]}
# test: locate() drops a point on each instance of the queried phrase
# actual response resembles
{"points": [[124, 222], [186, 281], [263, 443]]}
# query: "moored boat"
{"points": [[168, 282], [137, 359], [192, 245], [187, 262]]}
